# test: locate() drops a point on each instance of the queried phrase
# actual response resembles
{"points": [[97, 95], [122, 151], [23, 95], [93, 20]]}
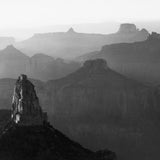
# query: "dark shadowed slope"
{"points": [[44, 143]]}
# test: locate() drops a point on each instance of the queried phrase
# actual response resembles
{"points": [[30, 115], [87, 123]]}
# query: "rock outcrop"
{"points": [[27, 137], [127, 28], [25, 104], [154, 36], [71, 31]]}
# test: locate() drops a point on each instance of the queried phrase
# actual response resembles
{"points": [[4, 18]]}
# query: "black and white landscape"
{"points": [[79, 80]]}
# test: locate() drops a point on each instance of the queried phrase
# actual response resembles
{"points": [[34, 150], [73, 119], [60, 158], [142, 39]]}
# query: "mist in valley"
{"points": [[92, 68]]}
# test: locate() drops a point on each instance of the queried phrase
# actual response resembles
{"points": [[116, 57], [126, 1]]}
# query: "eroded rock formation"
{"points": [[25, 104], [35, 140]]}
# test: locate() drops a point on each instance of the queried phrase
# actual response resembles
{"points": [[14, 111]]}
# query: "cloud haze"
{"points": [[30, 14]]}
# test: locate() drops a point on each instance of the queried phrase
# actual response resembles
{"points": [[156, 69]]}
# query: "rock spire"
{"points": [[25, 104]]}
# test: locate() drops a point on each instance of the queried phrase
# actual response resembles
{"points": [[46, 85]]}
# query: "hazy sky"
{"points": [[29, 13], [39, 13]]}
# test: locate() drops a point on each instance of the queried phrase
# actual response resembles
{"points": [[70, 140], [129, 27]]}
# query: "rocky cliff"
{"points": [[97, 107], [30, 138], [127, 28], [100, 108], [95, 87], [26, 109], [139, 60]]}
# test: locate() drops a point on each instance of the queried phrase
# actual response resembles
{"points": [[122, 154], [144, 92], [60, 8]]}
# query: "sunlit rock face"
{"points": [[25, 104]]}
